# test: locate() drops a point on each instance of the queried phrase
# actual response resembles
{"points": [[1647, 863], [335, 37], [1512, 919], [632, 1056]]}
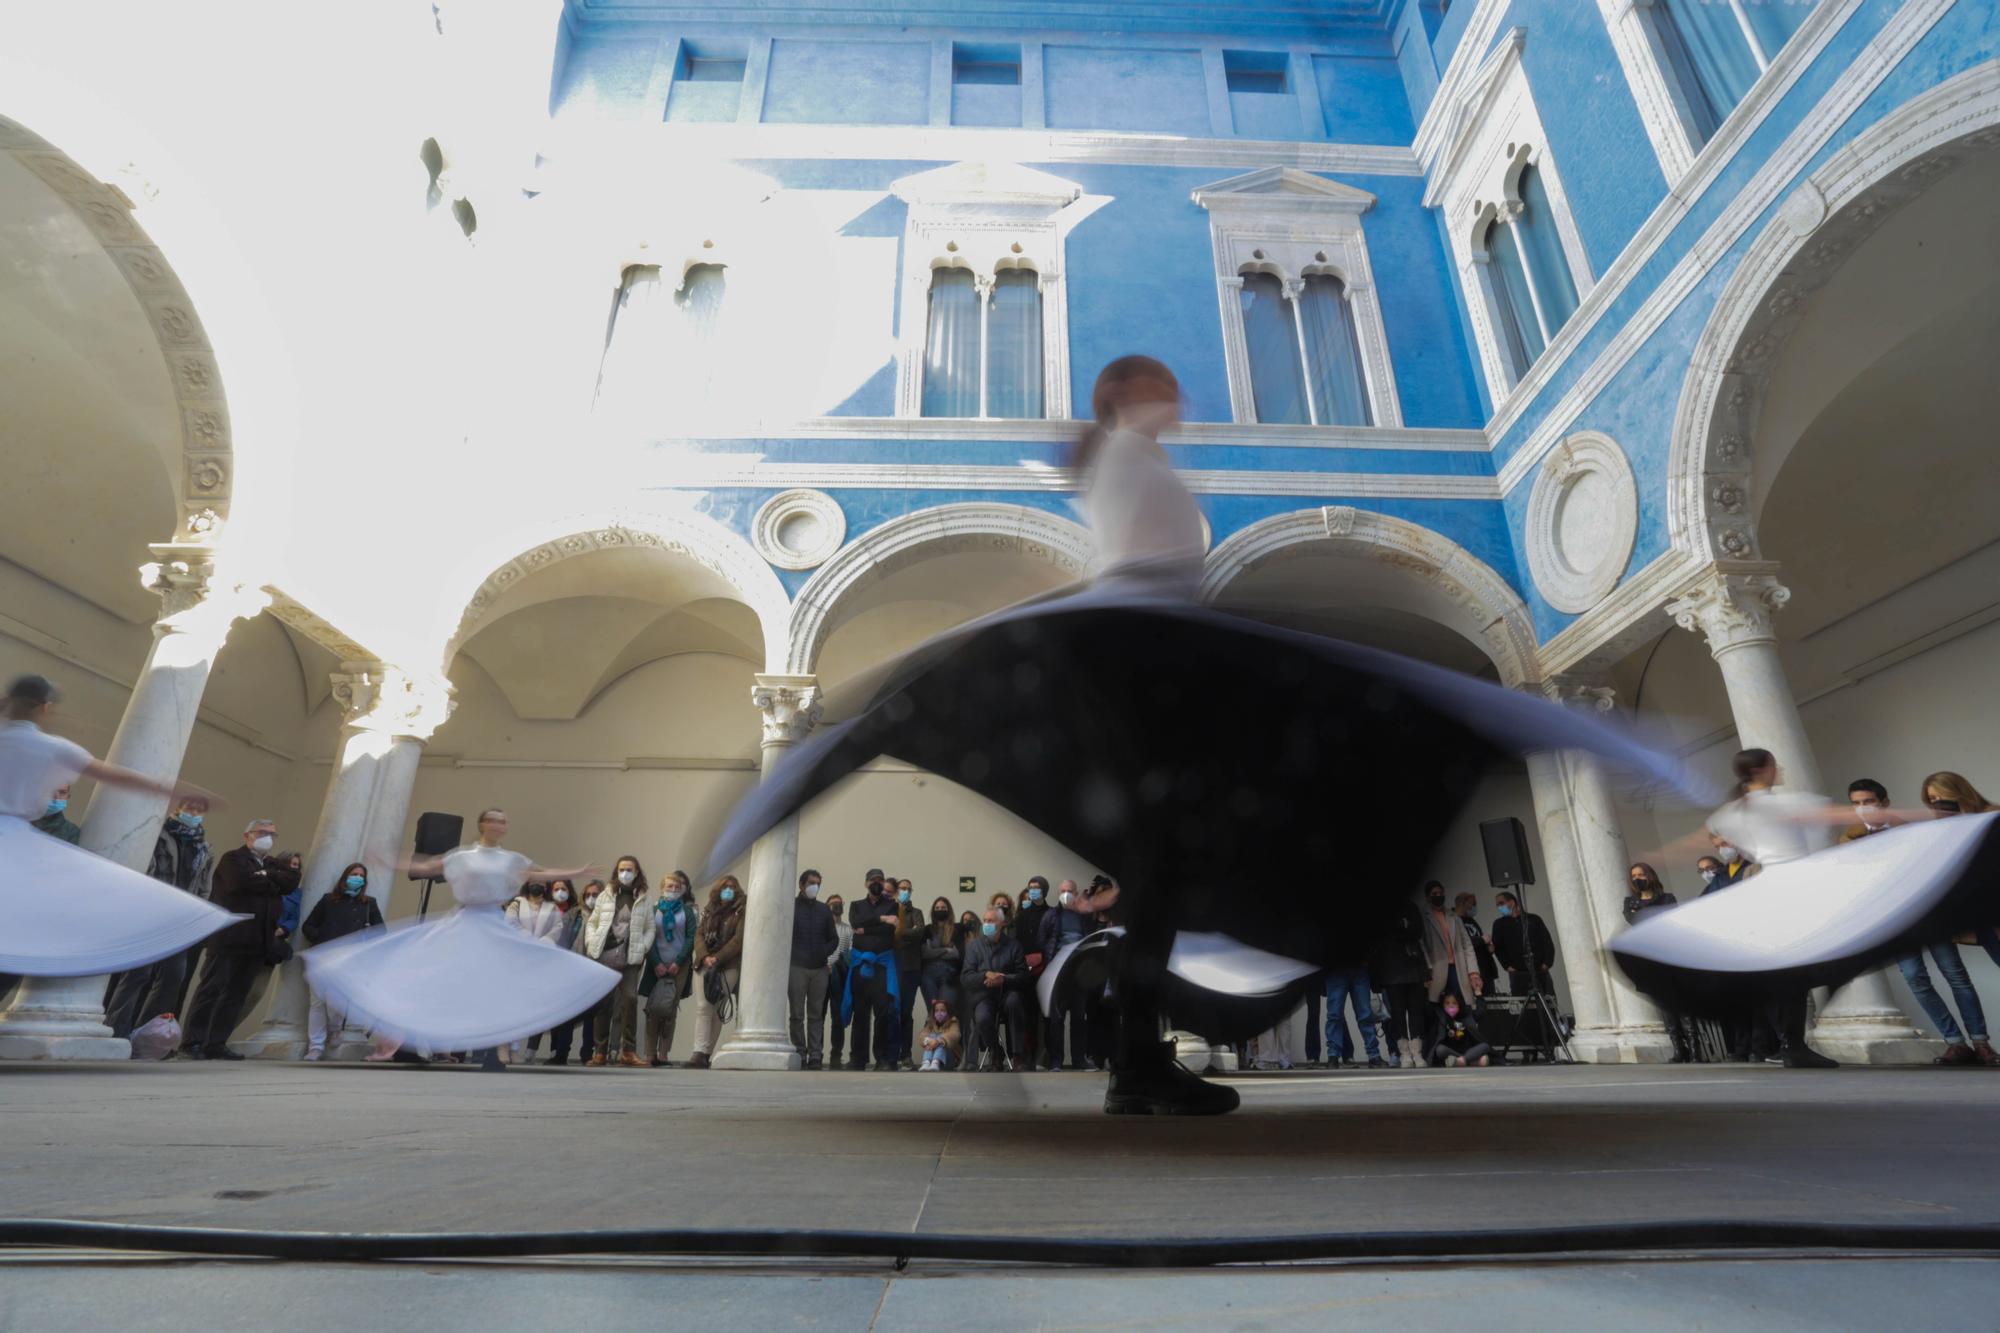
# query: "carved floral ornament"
{"points": [[203, 486], [1731, 608]]}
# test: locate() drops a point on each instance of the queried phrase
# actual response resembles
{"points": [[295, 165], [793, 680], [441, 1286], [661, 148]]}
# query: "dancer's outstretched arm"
{"points": [[111, 775], [539, 875]]}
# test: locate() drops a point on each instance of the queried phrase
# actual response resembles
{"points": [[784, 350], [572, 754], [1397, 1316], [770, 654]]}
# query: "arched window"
{"points": [[664, 349], [1542, 249], [1718, 48], [1014, 326], [1513, 305], [1531, 291], [1305, 359], [952, 346]]}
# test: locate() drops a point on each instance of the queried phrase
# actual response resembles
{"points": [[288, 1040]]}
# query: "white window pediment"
{"points": [[987, 218], [1294, 225]]}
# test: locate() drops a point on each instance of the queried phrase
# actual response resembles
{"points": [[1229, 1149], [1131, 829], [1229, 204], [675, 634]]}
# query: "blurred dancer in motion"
{"points": [[465, 981], [1812, 915], [1198, 755], [131, 920]]}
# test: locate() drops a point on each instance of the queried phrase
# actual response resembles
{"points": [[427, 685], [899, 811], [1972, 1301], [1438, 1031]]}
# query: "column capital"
{"points": [[192, 594], [1586, 693], [376, 697], [1731, 606], [790, 705]]}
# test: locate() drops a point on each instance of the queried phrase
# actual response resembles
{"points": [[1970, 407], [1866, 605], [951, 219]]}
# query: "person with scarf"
{"points": [[871, 977], [181, 858], [719, 952], [667, 969]]}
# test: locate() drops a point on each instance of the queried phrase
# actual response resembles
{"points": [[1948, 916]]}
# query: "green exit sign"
{"points": [[968, 883]]}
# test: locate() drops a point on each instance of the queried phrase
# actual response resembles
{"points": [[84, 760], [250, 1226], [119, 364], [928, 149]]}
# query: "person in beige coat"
{"points": [[1447, 948], [619, 934], [718, 954]]}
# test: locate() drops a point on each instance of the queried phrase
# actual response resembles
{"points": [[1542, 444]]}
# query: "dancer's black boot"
{"points": [[1157, 1084]]}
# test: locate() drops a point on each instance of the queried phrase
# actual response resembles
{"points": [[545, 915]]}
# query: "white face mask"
{"points": [[562, 895], [812, 890], [261, 843], [1068, 898], [626, 876], [1873, 815], [1729, 854], [1708, 876]]}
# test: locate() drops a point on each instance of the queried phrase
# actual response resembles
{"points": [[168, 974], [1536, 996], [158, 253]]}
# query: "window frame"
{"points": [[984, 217], [1294, 225]]}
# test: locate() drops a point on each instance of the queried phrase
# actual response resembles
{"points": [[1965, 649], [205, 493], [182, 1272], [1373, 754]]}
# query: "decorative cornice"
{"points": [[1249, 434], [1284, 190], [1630, 616], [192, 597], [721, 470], [1459, 72], [1456, 136]]}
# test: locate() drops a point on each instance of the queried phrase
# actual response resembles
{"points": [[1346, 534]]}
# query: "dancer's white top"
{"points": [[1774, 826], [32, 765], [1141, 515], [463, 981], [70, 913]]}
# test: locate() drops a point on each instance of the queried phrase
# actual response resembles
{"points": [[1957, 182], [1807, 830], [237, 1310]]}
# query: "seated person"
{"points": [[993, 981], [939, 1038], [1458, 1041]]}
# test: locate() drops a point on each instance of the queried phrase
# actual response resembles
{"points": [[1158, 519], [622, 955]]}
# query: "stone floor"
{"points": [[394, 1148]]}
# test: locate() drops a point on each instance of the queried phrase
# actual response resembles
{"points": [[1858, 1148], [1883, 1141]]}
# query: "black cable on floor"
{"points": [[1621, 1237]]}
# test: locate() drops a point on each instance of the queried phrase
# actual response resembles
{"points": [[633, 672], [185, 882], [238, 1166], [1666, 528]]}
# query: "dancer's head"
{"points": [[1948, 793], [29, 698], [1132, 393], [492, 824], [1753, 769]]}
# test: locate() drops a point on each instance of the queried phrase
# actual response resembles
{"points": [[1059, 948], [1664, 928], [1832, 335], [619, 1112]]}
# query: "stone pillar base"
{"points": [[270, 1046], [59, 1018], [1621, 1046], [1874, 1044], [766, 1051]]}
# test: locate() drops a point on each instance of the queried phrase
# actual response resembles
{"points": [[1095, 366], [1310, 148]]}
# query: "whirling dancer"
{"points": [[70, 913], [1811, 915], [467, 980], [1218, 766]]}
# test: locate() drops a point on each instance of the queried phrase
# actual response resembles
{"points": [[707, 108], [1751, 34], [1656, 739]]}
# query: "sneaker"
{"points": [[1166, 1088], [1805, 1057], [813, 1062], [1774, 1059], [313, 1055], [1377, 1062]]}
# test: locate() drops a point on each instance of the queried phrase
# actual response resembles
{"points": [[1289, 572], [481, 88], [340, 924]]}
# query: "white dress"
{"points": [[68, 912], [466, 980], [1147, 527]]}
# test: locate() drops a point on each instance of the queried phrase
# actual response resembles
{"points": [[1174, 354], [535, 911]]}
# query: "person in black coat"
{"points": [[1459, 1042], [814, 940], [343, 910], [871, 973], [1648, 894], [1399, 973], [994, 978], [1513, 934], [248, 882]]}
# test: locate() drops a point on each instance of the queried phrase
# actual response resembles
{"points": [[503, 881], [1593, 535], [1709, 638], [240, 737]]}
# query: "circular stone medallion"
{"points": [[798, 529], [1583, 517]]}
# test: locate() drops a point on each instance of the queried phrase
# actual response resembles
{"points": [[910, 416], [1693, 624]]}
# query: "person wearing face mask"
{"points": [[562, 895], [1447, 948], [940, 1036], [1947, 794], [873, 991], [909, 951], [534, 914], [55, 822], [250, 881], [181, 858], [718, 951], [836, 981], [1458, 1042], [1064, 924], [1027, 930], [622, 926], [1647, 893], [671, 965], [814, 943], [1515, 934], [344, 911], [943, 954], [1966, 1046], [1726, 868], [586, 908], [993, 979]]}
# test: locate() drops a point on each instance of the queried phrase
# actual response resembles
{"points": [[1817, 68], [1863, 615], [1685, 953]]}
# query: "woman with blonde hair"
{"points": [[718, 953], [1946, 794]]}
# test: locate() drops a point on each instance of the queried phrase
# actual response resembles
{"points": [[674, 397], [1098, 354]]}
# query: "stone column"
{"points": [[1584, 854], [1733, 607], [387, 717], [62, 1018], [790, 706]]}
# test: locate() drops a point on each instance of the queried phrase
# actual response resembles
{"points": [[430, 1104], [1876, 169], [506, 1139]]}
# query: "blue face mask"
{"points": [[987, 928], [1504, 910], [1034, 895], [728, 895], [55, 807], [355, 883], [902, 895], [189, 818]]}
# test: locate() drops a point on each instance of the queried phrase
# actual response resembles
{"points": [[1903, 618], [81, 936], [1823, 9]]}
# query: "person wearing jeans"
{"points": [[1345, 984]]}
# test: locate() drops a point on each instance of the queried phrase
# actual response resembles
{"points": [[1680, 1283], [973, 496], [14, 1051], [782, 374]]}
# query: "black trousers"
{"points": [[1074, 1021], [987, 1011], [144, 993], [873, 1009], [1409, 1011], [218, 999], [836, 987]]}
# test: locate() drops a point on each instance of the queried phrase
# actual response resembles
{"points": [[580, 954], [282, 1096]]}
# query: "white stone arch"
{"points": [[203, 482], [1817, 226], [493, 566], [903, 541], [1485, 609]]}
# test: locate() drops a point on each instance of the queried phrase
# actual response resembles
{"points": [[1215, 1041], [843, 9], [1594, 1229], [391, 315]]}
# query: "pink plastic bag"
{"points": [[156, 1040]]}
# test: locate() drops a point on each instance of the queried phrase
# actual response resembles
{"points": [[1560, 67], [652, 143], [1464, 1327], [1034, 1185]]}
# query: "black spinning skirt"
{"points": [[1279, 787]]}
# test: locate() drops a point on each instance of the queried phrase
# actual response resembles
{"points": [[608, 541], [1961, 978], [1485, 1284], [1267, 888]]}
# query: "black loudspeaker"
{"points": [[437, 833], [1506, 844]]}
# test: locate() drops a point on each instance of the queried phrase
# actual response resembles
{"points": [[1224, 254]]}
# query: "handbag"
{"points": [[663, 1001], [715, 986]]}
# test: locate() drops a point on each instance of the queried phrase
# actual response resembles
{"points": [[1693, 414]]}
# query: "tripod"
{"points": [[1550, 1034]]}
